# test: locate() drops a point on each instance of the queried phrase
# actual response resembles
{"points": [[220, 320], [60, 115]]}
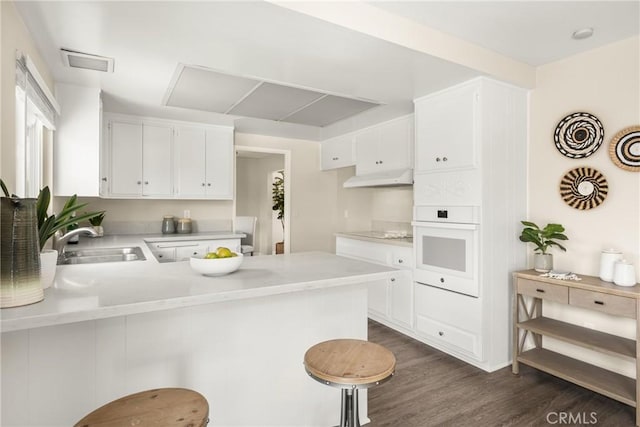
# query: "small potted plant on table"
{"points": [[543, 238]]}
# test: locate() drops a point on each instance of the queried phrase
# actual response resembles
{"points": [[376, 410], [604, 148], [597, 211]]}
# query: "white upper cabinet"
{"points": [[447, 129], [385, 147], [338, 152], [139, 159], [156, 160], [165, 159], [76, 150], [219, 166], [125, 159], [204, 162]]}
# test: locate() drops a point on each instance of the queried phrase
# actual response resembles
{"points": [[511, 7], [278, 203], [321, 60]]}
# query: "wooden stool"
{"points": [[350, 365], [159, 407]]}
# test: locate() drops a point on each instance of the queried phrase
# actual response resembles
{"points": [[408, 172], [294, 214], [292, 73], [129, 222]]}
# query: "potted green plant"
{"points": [[278, 205], [543, 239]]}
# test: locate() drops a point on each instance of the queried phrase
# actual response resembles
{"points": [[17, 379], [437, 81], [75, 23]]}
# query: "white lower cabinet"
{"points": [[449, 321], [182, 250], [390, 301]]}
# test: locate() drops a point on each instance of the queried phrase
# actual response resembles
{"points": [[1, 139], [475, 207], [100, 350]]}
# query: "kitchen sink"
{"points": [[101, 255]]}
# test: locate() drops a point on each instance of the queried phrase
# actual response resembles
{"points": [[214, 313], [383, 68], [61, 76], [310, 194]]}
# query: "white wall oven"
{"points": [[447, 248]]}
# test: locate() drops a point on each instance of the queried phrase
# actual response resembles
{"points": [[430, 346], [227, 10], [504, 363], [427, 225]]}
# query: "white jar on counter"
{"points": [[608, 258]]}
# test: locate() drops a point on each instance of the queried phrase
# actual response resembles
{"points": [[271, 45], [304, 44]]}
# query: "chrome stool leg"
{"points": [[344, 409]]}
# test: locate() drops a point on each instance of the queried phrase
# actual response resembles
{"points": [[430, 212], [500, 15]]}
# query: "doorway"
{"points": [[255, 170]]}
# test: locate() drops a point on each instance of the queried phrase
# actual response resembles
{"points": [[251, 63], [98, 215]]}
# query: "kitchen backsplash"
{"points": [[155, 226]]}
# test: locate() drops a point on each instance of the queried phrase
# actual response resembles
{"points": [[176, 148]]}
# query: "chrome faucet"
{"points": [[60, 240]]}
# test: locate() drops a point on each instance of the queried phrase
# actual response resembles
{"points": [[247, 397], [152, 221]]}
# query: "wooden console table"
{"points": [[590, 293]]}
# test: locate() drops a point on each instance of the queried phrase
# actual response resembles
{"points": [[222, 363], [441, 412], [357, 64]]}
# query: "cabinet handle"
{"points": [[335, 158], [377, 162], [380, 161], [104, 178], [393, 279], [146, 183], [203, 184], [400, 261], [139, 182], [441, 333], [437, 159], [209, 185], [540, 290], [599, 302], [442, 280], [444, 159]]}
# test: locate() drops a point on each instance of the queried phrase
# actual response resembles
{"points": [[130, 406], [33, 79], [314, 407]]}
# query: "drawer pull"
{"points": [[540, 290], [441, 333], [400, 261], [442, 280], [599, 302], [393, 279]]}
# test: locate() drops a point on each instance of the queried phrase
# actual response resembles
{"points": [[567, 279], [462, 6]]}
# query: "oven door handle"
{"points": [[449, 225]]}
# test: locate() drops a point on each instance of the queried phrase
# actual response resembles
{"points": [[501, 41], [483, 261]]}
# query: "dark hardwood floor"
{"points": [[431, 388]]}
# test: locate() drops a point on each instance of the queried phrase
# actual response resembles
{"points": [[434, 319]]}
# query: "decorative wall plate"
{"points": [[624, 149], [583, 188], [578, 135]]}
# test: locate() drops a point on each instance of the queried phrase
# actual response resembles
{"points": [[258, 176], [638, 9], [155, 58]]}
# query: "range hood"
{"points": [[381, 179]]}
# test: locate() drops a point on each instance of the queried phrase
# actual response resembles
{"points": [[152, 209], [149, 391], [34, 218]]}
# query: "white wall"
{"points": [[312, 191], [14, 36], [604, 82]]}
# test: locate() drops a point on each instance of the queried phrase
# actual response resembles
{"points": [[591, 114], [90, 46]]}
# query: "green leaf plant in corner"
{"points": [[543, 238]]}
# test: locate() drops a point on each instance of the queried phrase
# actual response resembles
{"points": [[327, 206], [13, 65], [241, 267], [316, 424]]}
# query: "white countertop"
{"points": [[373, 236], [96, 291]]}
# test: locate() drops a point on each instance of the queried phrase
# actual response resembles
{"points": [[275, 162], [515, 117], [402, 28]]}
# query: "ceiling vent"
{"points": [[87, 61], [201, 88]]}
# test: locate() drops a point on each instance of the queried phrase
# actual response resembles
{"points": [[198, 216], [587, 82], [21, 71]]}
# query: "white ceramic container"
{"points": [[608, 258]]}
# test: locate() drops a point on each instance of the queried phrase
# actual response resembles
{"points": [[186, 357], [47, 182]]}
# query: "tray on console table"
{"points": [[531, 290]]}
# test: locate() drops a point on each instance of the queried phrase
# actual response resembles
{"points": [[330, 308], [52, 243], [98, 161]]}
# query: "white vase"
{"points": [[543, 263], [48, 261]]}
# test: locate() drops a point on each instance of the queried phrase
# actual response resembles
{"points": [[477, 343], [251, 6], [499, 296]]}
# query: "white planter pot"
{"points": [[48, 260], [543, 263]]}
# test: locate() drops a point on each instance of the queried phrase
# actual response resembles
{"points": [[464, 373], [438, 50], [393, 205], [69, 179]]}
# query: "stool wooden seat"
{"points": [[350, 365], [160, 407]]}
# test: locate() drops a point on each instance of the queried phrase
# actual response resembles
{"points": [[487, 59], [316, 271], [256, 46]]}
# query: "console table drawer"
{"points": [[543, 290], [606, 303]]}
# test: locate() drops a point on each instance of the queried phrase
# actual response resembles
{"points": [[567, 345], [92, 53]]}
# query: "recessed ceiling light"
{"points": [[582, 33]]}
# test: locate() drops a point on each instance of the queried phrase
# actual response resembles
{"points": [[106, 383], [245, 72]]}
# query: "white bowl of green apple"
{"points": [[218, 263]]}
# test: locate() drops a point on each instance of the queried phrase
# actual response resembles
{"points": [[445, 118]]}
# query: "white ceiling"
{"points": [[276, 44]]}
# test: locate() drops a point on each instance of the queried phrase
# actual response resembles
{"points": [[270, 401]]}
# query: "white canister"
{"points": [[624, 274], [607, 260]]}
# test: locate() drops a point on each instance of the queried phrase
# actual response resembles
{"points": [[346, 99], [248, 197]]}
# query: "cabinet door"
{"points": [[367, 151], [401, 298], [219, 163], [156, 160], [395, 144], [378, 297], [188, 250], [126, 159], [337, 152], [77, 141], [447, 129], [190, 162]]}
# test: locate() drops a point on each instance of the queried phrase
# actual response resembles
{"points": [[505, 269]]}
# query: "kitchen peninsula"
{"points": [[107, 330]]}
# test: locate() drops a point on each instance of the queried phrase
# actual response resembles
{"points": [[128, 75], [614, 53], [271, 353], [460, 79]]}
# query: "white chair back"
{"points": [[246, 225]]}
